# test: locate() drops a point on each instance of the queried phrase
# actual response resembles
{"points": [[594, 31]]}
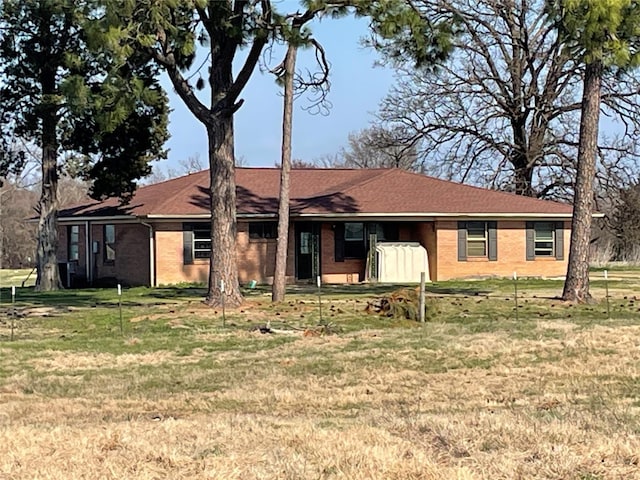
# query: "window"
{"points": [[477, 240], [263, 230], [544, 239], [196, 242], [385, 232], [201, 243], [109, 236], [352, 238], [354, 246], [74, 242]]}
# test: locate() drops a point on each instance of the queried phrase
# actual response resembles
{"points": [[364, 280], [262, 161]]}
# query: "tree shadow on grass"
{"points": [[93, 297], [144, 296], [377, 289]]}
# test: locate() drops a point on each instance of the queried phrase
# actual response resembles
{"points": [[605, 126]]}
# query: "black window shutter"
{"points": [[531, 253], [338, 233], [462, 241], [187, 243], [492, 227], [559, 241]]}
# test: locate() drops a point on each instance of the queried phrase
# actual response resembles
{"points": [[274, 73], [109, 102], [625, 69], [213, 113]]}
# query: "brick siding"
{"points": [[511, 254], [256, 258]]}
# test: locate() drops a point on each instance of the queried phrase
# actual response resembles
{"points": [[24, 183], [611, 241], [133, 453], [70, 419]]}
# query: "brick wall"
{"points": [[511, 254], [63, 251], [426, 235], [256, 258], [170, 267], [349, 271], [131, 265]]}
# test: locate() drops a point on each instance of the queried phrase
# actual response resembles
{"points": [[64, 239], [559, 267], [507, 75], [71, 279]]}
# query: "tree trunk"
{"points": [[48, 278], [1, 227], [519, 158], [280, 275], [576, 286], [523, 177], [223, 261]]}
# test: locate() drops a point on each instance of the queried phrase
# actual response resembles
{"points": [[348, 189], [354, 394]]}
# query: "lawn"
{"points": [[475, 393]]}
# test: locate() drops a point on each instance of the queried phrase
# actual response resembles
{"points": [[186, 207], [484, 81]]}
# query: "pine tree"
{"points": [[604, 34], [67, 91]]}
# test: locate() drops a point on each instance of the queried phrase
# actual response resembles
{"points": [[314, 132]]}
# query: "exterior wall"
{"points": [[408, 232], [256, 258], [170, 267], [426, 234], [349, 271], [131, 265], [63, 252], [511, 254]]}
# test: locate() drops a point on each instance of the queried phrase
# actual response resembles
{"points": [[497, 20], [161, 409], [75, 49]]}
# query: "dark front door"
{"points": [[307, 250]]}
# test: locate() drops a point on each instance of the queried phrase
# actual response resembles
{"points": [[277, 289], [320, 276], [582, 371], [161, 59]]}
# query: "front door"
{"points": [[307, 250]]}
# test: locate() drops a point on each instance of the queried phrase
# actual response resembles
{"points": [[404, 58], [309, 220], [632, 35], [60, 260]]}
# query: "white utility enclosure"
{"points": [[402, 262]]}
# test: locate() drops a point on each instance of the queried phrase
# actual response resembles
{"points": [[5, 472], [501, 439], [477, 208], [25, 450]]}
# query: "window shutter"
{"points": [[338, 233], [531, 235], [492, 228], [187, 244], [462, 241], [559, 241]]}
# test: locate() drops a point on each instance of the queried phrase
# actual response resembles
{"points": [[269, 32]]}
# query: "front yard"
{"points": [[473, 393]]}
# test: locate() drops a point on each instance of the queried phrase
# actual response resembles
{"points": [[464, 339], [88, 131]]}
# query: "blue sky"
{"points": [[356, 89]]}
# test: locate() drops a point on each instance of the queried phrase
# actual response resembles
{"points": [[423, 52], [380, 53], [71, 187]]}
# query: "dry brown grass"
{"points": [[559, 402], [524, 417]]}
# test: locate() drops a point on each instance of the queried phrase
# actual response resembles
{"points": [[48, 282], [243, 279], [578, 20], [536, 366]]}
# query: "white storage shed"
{"points": [[401, 262]]}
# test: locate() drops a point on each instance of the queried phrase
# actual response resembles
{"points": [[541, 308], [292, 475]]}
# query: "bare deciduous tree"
{"points": [[503, 112], [17, 236], [377, 147]]}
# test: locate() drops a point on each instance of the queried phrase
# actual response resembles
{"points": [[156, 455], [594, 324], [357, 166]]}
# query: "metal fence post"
{"points": [[422, 299], [515, 288]]}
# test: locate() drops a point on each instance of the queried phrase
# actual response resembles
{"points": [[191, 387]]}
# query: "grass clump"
{"points": [[403, 303]]}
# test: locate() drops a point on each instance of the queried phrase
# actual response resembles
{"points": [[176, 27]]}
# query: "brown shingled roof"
{"points": [[325, 192]]}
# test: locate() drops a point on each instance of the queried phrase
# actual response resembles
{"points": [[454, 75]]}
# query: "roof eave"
{"points": [[320, 216], [100, 219], [433, 215]]}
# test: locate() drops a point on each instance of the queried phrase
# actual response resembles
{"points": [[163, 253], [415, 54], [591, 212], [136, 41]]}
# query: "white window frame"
{"points": [[484, 240], [544, 251], [200, 238]]}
